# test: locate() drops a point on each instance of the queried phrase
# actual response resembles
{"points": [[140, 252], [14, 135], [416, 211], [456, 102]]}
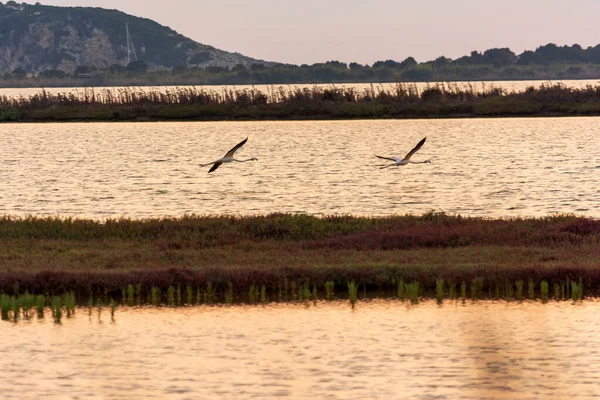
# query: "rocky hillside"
{"points": [[35, 38]]}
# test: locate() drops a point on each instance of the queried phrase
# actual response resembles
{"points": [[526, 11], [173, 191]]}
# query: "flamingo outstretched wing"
{"points": [[413, 151], [235, 148], [215, 166]]}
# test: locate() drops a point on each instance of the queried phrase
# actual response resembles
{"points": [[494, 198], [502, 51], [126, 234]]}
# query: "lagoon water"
{"points": [[504, 167], [382, 349]]}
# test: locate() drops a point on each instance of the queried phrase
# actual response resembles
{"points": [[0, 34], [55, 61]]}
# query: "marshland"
{"points": [[124, 261], [297, 256], [401, 100], [94, 208]]}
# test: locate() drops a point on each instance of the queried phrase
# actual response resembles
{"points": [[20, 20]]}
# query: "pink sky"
{"points": [[310, 31]]}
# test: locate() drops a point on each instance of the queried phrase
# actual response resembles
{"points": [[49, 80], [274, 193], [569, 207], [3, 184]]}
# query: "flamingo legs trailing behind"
{"points": [[228, 157], [398, 162]]}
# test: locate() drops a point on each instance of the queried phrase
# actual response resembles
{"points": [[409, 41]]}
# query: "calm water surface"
{"points": [[480, 167], [380, 350]]}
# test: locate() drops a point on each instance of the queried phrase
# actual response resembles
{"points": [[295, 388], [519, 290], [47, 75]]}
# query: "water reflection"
{"points": [[481, 167], [379, 349]]}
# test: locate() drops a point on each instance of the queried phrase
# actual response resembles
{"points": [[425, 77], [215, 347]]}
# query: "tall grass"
{"points": [[99, 307], [519, 290], [412, 291], [229, 293], [544, 291], [130, 96], [401, 289], [329, 289], [40, 304], [56, 308], [130, 294], [154, 295], [90, 304], [15, 307], [263, 294], [452, 291], [138, 293], [113, 307], [404, 99], [171, 295], [530, 289], [27, 303], [304, 292], [509, 290], [252, 294], [352, 292], [189, 294], [69, 302], [439, 290], [5, 306], [209, 292], [476, 287], [576, 290], [310, 240]]}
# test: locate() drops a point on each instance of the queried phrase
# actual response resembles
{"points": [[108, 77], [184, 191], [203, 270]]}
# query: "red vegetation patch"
{"points": [[582, 227], [380, 277], [469, 233], [295, 233]]}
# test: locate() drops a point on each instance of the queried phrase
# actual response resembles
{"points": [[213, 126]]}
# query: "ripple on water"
{"points": [[380, 349], [477, 162]]}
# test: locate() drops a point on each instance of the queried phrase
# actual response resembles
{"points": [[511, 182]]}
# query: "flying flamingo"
{"points": [[398, 162], [228, 157]]}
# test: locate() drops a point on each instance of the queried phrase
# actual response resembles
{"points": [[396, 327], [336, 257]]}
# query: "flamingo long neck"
{"points": [[418, 162], [250, 159]]}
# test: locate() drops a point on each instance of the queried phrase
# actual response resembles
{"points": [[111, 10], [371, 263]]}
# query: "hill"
{"points": [[36, 38]]}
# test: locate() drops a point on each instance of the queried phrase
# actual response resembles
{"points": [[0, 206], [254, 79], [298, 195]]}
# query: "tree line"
{"points": [[546, 62]]}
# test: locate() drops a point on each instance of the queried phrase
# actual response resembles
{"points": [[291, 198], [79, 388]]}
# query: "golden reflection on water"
{"points": [[381, 349], [480, 167]]}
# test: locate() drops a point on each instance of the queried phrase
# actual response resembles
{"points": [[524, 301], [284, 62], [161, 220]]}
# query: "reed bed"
{"points": [[404, 100], [132, 96]]}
